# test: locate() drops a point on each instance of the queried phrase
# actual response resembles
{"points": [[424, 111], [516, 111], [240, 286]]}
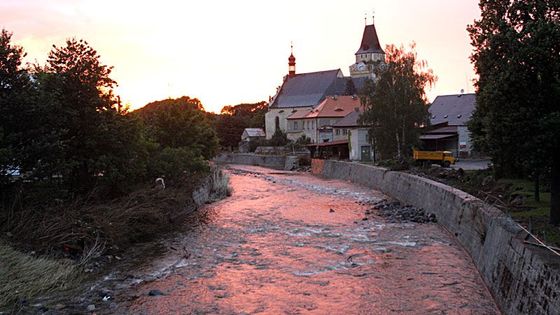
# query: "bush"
{"points": [[177, 163], [279, 139]]}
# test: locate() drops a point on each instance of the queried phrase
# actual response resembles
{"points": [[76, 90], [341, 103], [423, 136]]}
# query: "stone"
{"points": [[155, 293], [91, 308]]}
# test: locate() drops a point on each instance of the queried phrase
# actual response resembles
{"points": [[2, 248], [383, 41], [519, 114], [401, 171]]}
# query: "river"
{"points": [[292, 243]]}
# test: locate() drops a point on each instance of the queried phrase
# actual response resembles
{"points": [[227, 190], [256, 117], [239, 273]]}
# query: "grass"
{"points": [[534, 215], [513, 196], [24, 276]]}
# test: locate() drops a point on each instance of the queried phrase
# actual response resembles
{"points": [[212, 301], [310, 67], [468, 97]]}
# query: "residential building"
{"points": [[449, 115], [357, 135], [317, 123]]}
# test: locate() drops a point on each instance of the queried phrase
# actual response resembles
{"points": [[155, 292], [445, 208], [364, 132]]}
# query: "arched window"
{"points": [[277, 123]]}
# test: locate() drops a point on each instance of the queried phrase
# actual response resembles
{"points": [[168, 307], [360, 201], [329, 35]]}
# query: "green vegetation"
{"points": [[233, 120], [77, 169], [517, 118], [396, 104], [512, 196]]}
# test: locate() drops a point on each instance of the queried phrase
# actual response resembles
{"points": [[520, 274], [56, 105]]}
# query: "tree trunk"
{"points": [[537, 186], [555, 191], [398, 144]]}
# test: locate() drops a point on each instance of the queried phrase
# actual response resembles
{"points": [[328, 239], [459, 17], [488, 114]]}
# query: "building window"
{"points": [[295, 125], [344, 132], [277, 123], [337, 132]]}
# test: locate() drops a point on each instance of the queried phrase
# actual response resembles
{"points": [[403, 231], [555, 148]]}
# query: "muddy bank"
{"points": [[293, 243], [120, 235]]}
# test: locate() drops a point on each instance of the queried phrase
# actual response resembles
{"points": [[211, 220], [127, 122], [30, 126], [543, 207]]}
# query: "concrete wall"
{"points": [[271, 161], [524, 279]]}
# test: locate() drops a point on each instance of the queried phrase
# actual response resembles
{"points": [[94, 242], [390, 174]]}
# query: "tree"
{"points": [[396, 104], [350, 88], [83, 133], [14, 88], [517, 58], [184, 137], [234, 119]]}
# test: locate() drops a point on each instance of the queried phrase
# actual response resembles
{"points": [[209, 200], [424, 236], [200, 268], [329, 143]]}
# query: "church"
{"points": [[301, 93]]}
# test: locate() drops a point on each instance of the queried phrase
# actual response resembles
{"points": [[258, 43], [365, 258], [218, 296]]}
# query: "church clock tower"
{"points": [[368, 55]]}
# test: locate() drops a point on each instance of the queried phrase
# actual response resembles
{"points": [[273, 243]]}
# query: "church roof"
{"points": [[370, 41], [453, 109], [306, 89]]}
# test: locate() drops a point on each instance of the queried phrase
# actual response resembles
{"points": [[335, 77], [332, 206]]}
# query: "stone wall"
{"points": [[523, 278], [271, 161]]}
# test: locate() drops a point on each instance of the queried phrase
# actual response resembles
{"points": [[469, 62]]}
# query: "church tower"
{"points": [[368, 55], [292, 63]]}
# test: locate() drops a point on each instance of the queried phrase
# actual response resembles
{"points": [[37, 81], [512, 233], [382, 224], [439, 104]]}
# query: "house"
{"points": [[299, 94], [449, 115], [252, 134], [317, 123], [359, 142]]}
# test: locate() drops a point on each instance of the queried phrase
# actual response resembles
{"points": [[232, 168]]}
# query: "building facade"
{"points": [[299, 94]]}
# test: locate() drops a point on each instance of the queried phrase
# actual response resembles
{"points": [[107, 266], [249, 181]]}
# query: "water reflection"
{"points": [[293, 243]]}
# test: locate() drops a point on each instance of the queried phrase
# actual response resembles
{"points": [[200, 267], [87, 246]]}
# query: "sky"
{"points": [[226, 52]]}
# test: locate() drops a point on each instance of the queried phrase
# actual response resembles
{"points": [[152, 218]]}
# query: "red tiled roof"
{"points": [[334, 106], [299, 113]]}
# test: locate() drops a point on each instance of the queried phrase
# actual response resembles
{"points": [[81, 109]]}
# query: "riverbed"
{"points": [[292, 243]]}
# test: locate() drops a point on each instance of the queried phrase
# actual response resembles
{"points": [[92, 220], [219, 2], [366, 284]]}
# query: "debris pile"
{"points": [[394, 212]]}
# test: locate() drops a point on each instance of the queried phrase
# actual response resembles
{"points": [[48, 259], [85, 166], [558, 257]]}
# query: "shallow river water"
{"points": [[291, 243]]}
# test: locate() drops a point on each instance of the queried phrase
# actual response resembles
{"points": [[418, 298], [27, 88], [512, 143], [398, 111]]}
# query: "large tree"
{"points": [[517, 118], [234, 119], [83, 133], [396, 105], [14, 88]]}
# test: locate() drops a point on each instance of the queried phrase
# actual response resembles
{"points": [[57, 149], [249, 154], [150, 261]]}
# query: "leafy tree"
{"points": [[180, 123], [14, 88], [82, 133], [234, 119], [278, 139], [517, 58], [396, 104], [350, 87]]}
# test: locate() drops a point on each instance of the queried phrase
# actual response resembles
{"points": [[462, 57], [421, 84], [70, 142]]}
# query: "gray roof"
{"points": [[341, 84], [350, 120], [306, 89], [456, 109], [254, 132]]}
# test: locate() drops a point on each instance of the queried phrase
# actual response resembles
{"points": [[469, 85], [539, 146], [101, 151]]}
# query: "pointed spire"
{"points": [[291, 62]]}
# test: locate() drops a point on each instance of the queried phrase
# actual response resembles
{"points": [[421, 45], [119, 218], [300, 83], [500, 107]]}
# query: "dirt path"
{"points": [[288, 243]]}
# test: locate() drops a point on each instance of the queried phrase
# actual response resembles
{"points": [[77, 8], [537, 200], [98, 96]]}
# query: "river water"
{"points": [[291, 243]]}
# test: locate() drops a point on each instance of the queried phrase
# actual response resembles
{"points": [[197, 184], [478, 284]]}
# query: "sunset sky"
{"points": [[227, 52]]}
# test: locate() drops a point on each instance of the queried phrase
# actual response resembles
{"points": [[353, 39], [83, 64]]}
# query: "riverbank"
{"points": [[50, 257], [522, 277]]}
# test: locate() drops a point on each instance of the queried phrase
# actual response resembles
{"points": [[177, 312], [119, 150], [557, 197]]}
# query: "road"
{"points": [[291, 243], [469, 165]]}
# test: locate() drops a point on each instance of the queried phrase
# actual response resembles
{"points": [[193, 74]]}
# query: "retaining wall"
{"points": [[523, 278], [272, 161]]}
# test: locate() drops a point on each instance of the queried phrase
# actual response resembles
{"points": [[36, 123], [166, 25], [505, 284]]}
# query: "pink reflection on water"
{"points": [[277, 247]]}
